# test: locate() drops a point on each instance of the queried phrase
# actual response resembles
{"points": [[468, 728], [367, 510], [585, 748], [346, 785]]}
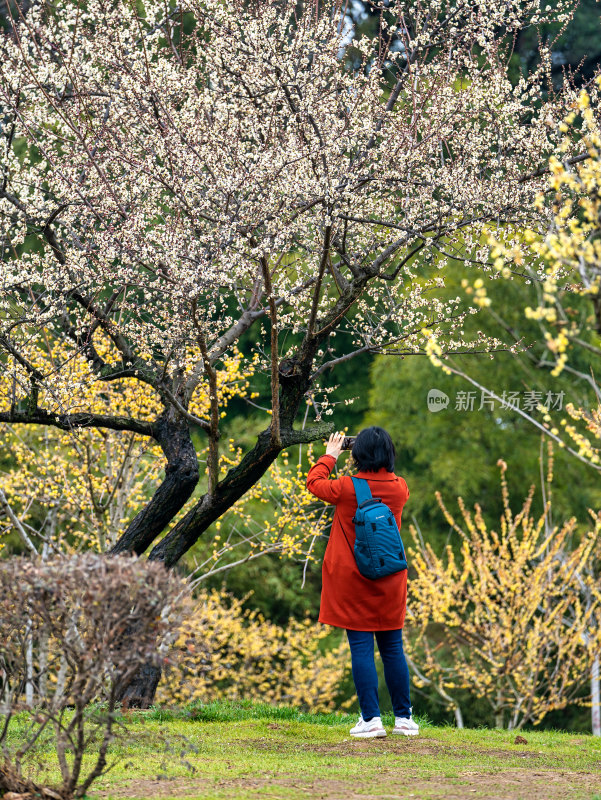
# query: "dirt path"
{"points": [[514, 784], [397, 778]]}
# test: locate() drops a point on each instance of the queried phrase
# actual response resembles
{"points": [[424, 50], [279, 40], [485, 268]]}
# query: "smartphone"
{"points": [[348, 442]]}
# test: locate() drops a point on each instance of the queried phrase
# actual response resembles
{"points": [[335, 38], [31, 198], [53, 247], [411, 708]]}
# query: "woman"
{"points": [[361, 606]]}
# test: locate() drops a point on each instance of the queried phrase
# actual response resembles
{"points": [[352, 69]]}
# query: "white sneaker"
{"points": [[368, 730], [406, 727]]}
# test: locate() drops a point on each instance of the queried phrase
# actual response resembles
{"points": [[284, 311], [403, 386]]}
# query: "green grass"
{"points": [[246, 750]]}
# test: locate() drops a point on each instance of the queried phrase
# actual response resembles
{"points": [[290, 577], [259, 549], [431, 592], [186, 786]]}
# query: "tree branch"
{"points": [[275, 376], [69, 422], [545, 170], [181, 477], [17, 525], [368, 348], [526, 416], [322, 267], [213, 427]]}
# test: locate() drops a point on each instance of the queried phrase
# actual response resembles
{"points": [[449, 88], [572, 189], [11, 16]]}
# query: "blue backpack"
{"points": [[379, 548]]}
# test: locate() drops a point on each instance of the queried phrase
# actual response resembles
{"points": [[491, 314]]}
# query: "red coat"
{"points": [[348, 600]]}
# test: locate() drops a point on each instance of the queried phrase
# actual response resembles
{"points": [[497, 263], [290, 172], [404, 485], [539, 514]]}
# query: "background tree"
{"points": [[455, 449]]}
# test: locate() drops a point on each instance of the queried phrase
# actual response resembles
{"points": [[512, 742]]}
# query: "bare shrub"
{"points": [[72, 633]]}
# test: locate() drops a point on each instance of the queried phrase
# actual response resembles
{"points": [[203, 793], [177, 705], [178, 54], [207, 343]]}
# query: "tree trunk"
{"points": [[595, 698], [295, 380], [181, 476], [238, 481], [140, 691]]}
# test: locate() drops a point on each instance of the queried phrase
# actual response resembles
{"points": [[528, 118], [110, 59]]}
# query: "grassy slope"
{"points": [[247, 751]]}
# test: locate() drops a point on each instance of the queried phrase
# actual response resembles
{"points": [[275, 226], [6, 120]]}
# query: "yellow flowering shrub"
{"points": [[512, 614], [227, 652], [80, 489]]}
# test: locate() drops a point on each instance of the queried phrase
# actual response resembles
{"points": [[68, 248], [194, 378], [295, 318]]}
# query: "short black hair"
{"points": [[374, 450]]}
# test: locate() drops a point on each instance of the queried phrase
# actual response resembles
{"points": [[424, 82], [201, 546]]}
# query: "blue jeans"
{"points": [[396, 672]]}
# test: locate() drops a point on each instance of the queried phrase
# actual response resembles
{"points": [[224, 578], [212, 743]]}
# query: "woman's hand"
{"points": [[334, 445]]}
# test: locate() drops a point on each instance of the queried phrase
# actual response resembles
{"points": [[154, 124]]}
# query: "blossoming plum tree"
{"points": [[175, 175]]}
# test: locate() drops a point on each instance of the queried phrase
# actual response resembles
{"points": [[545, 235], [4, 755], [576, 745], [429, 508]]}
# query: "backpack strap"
{"points": [[362, 490]]}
